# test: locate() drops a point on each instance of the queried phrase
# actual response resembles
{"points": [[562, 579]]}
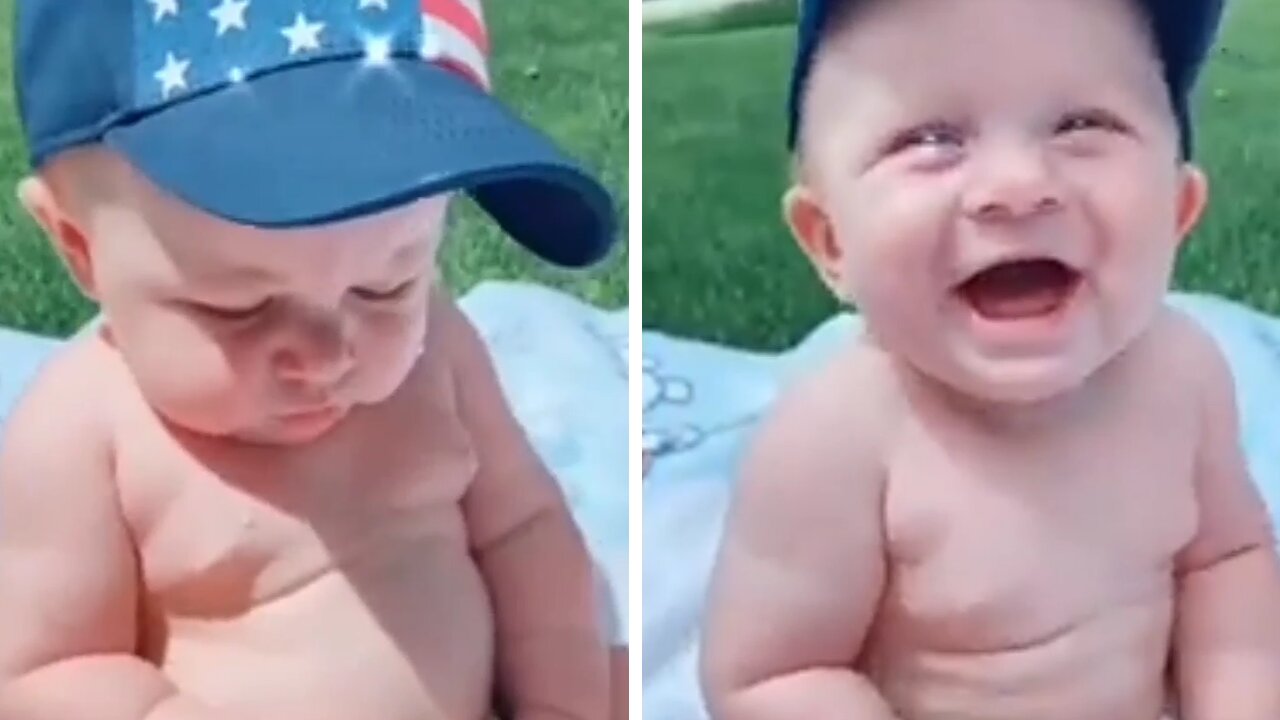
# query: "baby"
{"points": [[279, 480], [1022, 495]]}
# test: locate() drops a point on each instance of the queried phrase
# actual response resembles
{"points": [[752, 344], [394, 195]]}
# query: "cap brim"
{"points": [[334, 140]]}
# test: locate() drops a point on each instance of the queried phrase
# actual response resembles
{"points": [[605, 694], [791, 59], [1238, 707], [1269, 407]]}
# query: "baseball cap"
{"points": [[286, 113], [1183, 30]]}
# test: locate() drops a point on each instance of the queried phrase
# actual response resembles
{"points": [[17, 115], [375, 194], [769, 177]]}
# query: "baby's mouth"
{"points": [[1021, 289]]}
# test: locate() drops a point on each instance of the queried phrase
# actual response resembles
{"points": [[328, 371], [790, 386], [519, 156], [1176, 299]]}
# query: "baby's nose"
{"points": [[317, 352], [1016, 184]]}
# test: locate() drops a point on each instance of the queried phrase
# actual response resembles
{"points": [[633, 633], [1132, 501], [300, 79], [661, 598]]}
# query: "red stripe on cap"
{"points": [[464, 70], [461, 17]]}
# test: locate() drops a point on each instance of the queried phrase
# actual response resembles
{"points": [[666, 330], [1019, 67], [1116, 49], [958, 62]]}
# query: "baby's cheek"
{"points": [[196, 380], [891, 239], [1137, 261], [389, 347], [888, 271], [1137, 219]]}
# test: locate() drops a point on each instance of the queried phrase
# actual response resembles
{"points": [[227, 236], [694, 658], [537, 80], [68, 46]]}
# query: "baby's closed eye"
{"points": [[934, 134], [387, 293], [230, 312], [1088, 120]]}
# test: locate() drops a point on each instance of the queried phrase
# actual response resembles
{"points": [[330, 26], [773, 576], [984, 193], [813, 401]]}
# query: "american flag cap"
{"points": [[285, 113], [1183, 31]]}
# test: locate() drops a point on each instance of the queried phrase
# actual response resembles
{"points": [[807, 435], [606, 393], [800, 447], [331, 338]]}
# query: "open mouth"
{"points": [[1021, 289]]}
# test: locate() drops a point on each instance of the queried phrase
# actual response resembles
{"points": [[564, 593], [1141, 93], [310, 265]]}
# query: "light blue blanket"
{"points": [[563, 365], [700, 404]]}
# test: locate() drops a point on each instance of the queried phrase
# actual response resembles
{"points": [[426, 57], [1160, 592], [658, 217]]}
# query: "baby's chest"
{"points": [[1011, 546], [218, 536]]}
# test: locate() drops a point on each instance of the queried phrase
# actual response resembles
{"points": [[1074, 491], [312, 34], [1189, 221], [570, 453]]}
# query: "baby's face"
{"points": [[995, 184], [264, 335]]}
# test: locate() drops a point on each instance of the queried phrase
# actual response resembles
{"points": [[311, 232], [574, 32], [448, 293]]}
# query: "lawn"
{"points": [[719, 265], [563, 64]]}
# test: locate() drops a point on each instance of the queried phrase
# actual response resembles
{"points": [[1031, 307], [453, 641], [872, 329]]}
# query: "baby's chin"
{"points": [[976, 374], [261, 427], [236, 414], [1015, 380], [1021, 382], [221, 428]]}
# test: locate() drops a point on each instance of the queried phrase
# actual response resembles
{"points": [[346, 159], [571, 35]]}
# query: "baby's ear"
{"points": [[50, 213], [811, 227], [1193, 195]]}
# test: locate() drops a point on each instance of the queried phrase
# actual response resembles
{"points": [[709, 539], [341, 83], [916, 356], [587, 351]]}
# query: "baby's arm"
{"points": [[802, 567], [552, 660], [1227, 645], [68, 592]]}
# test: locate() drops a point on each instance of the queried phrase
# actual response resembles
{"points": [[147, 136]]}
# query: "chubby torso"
{"points": [[332, 582], [1031, 567]]}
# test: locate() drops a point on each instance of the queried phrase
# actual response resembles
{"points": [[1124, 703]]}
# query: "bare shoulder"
{"points": [[432, 383], [1177, 341], [59, 506], [1204, 376], [452, 385], [830, 425], [465, 361], [1175, 366], [57, 455], [71, 396], [1232, 514], [57, 452], [454, 336], [431, 396]]}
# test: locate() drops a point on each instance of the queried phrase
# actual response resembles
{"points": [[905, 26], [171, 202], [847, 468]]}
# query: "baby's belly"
{"points": [[403, 641], [1110, 666]]}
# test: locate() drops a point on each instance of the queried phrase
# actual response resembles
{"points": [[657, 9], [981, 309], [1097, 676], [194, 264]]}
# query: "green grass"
{"points": [[719, 265], [561, 64], [736, 17]]}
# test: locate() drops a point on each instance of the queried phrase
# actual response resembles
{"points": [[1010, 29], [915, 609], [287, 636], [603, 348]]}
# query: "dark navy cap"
{"points": [[1183, 29], [286, 113]]}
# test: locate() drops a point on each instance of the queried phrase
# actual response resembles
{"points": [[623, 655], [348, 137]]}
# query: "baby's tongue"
{"points": [[1019, 290]]}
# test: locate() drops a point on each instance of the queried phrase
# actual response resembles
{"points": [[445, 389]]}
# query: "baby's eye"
{"points": [[1085, 120], [222, 312], [395, 293], [933, 135]]}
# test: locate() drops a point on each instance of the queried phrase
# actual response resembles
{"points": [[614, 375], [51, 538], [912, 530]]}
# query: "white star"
{"points": [[377, 51], [165, 7], [236, 75], [230, 15], [173, 76], [303, 35], [378, 4]]}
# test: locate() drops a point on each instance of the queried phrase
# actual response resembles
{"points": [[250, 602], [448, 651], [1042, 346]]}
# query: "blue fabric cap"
{"points": [[1184, 31], [286, 113]]}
